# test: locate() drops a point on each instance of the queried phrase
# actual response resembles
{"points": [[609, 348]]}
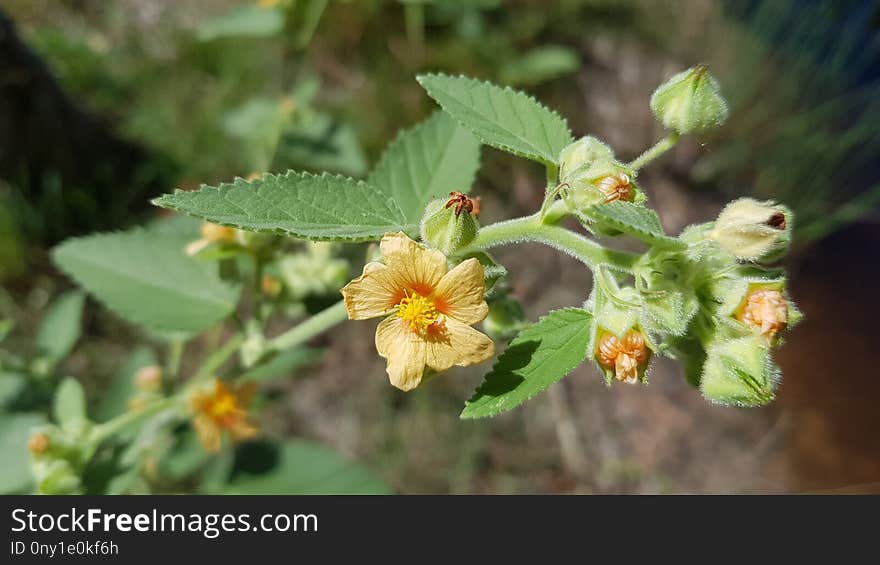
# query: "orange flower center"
{"points": [[625, 355], [766, 310], [417, 311], [223, 407]]}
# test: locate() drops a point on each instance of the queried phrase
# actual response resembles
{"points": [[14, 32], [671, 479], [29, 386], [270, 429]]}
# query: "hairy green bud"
{"points": [[448, 226], [590, 175], [753, 230], [739, 372], [690, 102]]}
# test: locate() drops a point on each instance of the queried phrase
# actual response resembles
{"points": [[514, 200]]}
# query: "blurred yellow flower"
{"points": [[431, 310], [219, 409], [211, 233]]}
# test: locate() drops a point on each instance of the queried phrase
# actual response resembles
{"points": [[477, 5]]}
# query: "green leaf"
{"points": [[303, 205], [308, 468], [257, 126], [114, 401], [540, 65], [6, 327], [245, 21], [282, 364], [12, 385], [503, 118], [318, 142], [427, 162], [69, 406], [539, 356], [636, 220], [15, 430], [146, 278], [60, 327]]}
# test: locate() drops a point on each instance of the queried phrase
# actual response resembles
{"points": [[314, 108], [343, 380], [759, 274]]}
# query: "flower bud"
{"points": [[690, 102], [753, 230], [216, 233], [315, 272], [590, 175], [449, 225], [148, 379], [270, 286], [765, 310], [38, 443], [627, 356], [56, 476], [739, 372]]}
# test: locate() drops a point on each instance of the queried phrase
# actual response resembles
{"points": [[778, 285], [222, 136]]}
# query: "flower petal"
{"points": [[208, 433], [415, 268], [241, 429], [460, 293], [404, 350], [454, 343], [372, 294]]}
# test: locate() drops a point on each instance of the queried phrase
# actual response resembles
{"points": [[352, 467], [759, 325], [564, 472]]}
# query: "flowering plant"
{"points": [[710, 297]]}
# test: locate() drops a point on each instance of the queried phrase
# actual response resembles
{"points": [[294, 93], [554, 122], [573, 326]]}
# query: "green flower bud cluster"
{"points": [[315, 272], [58, 456], [743, 308], [704, 303]]}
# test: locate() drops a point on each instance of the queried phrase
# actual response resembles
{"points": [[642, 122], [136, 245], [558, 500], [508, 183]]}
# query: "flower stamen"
{"points": [[418, 311]]}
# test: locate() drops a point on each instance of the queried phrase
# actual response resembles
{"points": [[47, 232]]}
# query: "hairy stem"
{"points": [[317, 324], [102, 432], [531, 228], [655, 151], [172, 361], [218, 357]]}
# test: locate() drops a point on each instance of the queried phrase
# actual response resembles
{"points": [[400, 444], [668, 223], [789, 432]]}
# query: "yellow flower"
{"points": [[211, 233], [430, 310], [220, 409]]}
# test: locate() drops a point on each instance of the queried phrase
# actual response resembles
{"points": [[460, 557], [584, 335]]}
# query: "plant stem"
{"points": [[218, 357], [319, 323], [172, 363], [103, 431], [414, 19], [531, 228], [655, 151]]}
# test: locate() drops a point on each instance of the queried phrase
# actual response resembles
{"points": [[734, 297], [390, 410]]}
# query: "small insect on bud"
{"points": [[764, 309], [38, 443], [451, 224], [753, 230], [590, 175], [627, 357], [690, 102], [148, 379]]}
